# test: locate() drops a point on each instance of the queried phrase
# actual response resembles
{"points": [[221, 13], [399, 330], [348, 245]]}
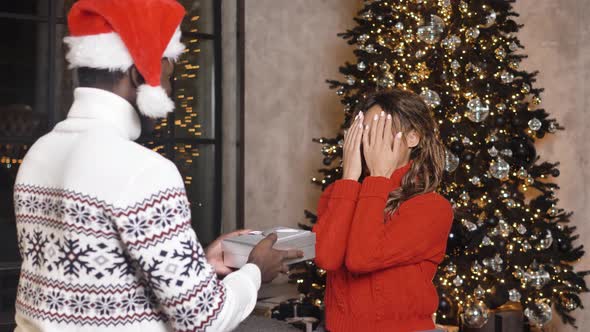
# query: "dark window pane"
{"points": [[10, 158], [194, 89], [157, 147], [62, 7], [199, 16], [197, 166], [23, 64], [64, 85], [28, 7]]}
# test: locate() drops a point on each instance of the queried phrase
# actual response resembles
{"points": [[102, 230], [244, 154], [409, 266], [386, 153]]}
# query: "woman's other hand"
{"points": [[351, 159], [381, 149]]}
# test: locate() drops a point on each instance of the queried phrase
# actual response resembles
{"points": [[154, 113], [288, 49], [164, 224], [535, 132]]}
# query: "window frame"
{"points": [[52, 19]]}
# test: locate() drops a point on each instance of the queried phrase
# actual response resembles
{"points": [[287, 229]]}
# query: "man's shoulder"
{"points": [[128, 153]]}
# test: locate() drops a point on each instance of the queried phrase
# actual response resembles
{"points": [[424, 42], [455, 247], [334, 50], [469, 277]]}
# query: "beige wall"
{"points": [[557, 37], [292, 48]]}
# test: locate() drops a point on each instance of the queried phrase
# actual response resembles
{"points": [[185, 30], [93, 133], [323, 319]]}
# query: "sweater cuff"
{"points": [[346, 189], [254, 273], [376, 186], [242, 291]]}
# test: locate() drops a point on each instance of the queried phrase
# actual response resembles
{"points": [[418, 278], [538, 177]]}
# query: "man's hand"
{"points": [[214, 253], [351, 159], [271, 261], [382, 151]]}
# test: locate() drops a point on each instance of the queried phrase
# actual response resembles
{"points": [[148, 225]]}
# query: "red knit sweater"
{"points": [[380, 271]]}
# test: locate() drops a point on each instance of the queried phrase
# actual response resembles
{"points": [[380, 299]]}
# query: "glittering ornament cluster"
{"points": [[510, 242]]}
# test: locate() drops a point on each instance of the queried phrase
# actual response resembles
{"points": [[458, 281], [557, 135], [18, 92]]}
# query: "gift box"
{"points": [[489, 326], [509, 321], [236, 250], [447, 328]]}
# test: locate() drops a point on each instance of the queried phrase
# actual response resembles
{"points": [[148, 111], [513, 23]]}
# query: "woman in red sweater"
{"points": [[381, 240]]}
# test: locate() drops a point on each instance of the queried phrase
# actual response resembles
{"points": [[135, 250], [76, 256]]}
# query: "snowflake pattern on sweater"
{"points": [[89, 263]]}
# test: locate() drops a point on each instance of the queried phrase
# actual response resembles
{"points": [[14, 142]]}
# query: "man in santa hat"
{"points": [[104, 225]]}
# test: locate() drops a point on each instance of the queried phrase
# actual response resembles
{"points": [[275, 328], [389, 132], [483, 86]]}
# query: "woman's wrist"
{"points": [[383, 173], [350, 177]]}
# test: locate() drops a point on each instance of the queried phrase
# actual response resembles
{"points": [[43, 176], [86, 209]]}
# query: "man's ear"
{"points": [[136, 78], [412, 138]]}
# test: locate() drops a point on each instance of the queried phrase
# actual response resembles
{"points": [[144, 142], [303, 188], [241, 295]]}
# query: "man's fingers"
{"points": [[223, 271], [291, 254], [240, 232], [270, 240], [285, 268]]}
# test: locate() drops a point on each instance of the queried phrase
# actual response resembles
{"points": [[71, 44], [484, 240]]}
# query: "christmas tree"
{"points": [[510, 242]]}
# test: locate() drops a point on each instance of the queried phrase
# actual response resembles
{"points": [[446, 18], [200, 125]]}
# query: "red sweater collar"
{"points": [[399, 173]]}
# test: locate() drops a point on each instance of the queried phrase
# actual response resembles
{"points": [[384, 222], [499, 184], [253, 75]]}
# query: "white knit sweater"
{"points": [[104, 231]]}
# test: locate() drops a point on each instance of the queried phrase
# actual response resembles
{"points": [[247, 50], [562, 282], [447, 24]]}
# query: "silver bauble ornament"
{"points": [[451, 161], [514, 295], [451, 42], [469, 225], [479, 292], [432, 31], [539, 313], [490, 19], [536, 276], [500, 169], [476, 268], [350, 80], [451, 268], [472, 33], [477, 111], [507, 77], [545, 241], [475, 314], [535, 124], [430, 97]]}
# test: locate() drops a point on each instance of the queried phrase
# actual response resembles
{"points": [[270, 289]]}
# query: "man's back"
{"points": [[105, 235]]}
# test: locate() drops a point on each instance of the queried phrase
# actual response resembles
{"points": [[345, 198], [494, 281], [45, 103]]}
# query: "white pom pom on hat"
{"points": [[153, 101], [115, 34]]}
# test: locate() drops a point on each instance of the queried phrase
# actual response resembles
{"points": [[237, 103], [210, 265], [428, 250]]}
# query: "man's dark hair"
{"points": [[92, 77]]}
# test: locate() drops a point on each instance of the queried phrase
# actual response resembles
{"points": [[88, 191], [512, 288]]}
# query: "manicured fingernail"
{"points": [[361, 114], [376, 117], [388, 116], [367, 127], [382, 113], [361, 125], [399, 135], [357, 116]]}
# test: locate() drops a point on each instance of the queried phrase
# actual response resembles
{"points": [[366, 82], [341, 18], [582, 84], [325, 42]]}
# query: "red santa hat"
{"points": [[116, 34]]}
